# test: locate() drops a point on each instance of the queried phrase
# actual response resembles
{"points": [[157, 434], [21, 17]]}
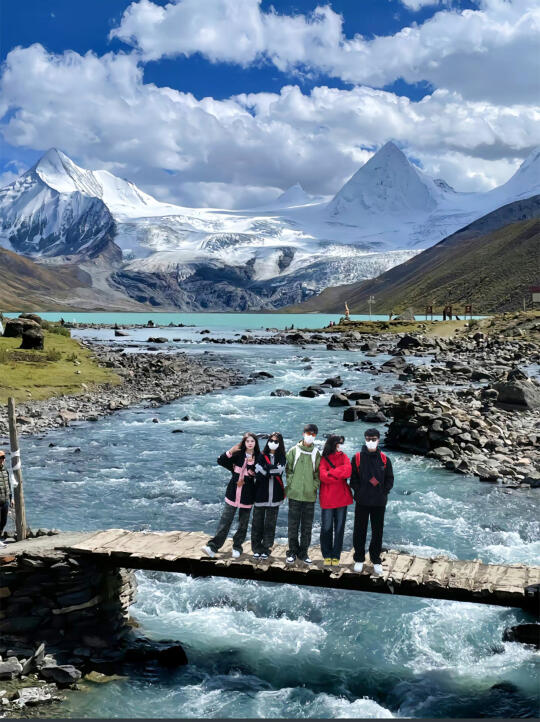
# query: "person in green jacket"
{"points": [[302, 483]]}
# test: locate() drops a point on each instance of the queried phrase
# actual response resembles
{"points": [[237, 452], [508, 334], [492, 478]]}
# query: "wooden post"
{"points": [[20, 511]]}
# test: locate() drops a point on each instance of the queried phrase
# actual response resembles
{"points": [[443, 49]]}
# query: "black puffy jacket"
{"points": [[371, 483]]}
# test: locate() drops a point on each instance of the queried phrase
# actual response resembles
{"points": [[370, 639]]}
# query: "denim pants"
{"points": [[332, 531], [361, 516], [301, 515], [224, 525], [4, 508], [263, 528]]}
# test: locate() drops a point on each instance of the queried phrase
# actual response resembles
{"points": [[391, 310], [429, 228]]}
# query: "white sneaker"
{"points": [[264, 555], [359, 567], [256, 555], [291, 559], [209, 552], [377, 570], [307, 560], [3, 545], [235, 553]]}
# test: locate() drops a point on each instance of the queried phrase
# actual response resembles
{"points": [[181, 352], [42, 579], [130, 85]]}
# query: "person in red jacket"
{"points": [[334, 498]]}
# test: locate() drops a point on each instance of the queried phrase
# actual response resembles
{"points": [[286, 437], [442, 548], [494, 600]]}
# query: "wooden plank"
{"points": [[114, 545], [436, 577], [463, 574], [415, 573], [400, 568], [88, 545], [164, 544], [388, 561], [511, 582], [130, 544]]}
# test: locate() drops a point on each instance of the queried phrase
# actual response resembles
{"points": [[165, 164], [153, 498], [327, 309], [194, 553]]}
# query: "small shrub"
{"points": [[59, 330], [4, 356], [53, 355], [72, 357]]}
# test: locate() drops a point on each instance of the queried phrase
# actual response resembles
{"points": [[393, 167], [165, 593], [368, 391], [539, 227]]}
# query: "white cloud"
{"points": [[416, 5], [241, 150], [488, 53]]}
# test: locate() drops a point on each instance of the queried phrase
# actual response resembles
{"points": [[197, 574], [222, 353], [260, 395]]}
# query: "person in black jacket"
{"points": [[371, 480], [240, 494], [269, 494]]}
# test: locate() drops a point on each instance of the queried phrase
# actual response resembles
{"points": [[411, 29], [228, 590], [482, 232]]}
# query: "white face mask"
{"points": [[308, 439], [273, 445], [372, 445]]}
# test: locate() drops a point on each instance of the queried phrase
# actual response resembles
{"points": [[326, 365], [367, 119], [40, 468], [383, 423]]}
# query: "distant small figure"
{"points": [[390, 315], [62, 322], [347, 312]]}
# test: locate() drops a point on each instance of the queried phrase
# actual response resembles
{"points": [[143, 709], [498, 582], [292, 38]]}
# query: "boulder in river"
{"points": [[281, 392], [338, 400], [524, 633]]}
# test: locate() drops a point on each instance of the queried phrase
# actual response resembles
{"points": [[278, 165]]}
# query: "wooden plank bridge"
{"points": [[509, 585]]}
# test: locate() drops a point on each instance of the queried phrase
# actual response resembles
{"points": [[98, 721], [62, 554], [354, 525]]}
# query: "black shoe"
{"points": [[264, 555]]}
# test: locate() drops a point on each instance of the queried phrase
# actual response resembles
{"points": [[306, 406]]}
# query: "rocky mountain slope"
{"points": [[490, 263]]}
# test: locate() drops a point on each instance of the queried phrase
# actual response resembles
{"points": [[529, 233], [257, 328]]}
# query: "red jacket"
{"points": [[334, 491]]}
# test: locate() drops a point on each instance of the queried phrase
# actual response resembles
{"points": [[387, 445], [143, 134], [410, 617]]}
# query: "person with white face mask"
{"points": [[269, 494], [372, 479], [334, 498], [239, 495], [302, 484]]}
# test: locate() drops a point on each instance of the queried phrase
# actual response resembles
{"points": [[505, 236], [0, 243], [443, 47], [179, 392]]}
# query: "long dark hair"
{"points": [[280, 451], [256, 450], [331, 442]]}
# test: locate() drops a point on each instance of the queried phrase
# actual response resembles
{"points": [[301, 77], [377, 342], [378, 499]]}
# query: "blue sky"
{"points": [[248, 114]]}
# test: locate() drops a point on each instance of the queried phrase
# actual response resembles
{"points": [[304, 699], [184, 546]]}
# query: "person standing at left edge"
{"points": [[372, 479], [6, 495]]}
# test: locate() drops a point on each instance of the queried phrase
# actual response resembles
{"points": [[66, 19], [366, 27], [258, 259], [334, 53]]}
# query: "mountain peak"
{"points": [[388, 183], [61, 174], [525, 182]]}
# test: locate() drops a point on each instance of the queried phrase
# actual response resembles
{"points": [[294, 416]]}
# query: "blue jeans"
{"points": [[332, 531]]}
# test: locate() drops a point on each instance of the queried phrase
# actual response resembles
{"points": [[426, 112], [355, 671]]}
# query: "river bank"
{"points": [[147, 378]]}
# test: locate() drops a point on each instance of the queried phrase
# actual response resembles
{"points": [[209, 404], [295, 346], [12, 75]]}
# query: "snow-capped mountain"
{"points": [[264, 257], [387, 184]]}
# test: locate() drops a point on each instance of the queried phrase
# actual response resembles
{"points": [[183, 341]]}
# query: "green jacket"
{"points": [[302, 479]]}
